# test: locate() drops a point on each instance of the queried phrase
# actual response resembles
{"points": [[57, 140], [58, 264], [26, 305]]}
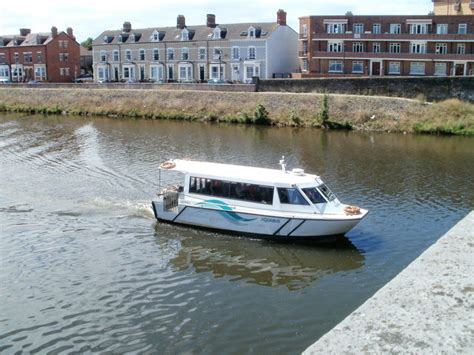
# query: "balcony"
{"points": [[401, 56], [394, 37]]}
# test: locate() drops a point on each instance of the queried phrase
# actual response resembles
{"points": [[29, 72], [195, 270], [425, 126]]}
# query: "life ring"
{"points": [[168, 165], [352, 210]]}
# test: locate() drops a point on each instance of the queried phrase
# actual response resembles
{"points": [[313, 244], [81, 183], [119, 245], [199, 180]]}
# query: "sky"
{"points": [[89, 18]]}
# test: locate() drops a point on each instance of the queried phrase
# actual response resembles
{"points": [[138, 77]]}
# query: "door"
{"points": [[376, 68], [142, 72], [202, 73], [116, 74], [459, 70]]}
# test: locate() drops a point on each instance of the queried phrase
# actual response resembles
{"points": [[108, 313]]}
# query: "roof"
{"points": [[85, 52], [241, 173], [196, 33], [31, 39]]}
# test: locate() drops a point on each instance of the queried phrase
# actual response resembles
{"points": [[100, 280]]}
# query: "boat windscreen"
{"points": [[314, 195], [326, 192]]}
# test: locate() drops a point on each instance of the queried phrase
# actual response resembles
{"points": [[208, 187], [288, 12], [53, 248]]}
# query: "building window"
{"points": [[216, 53], [461, 49], [336, 28], [185, 72], [305, 65], [418, 47], [128, 73], [156, 54], [216, 71], [28, 57], [185, 35], [156, 72], [128, 54], [217, 33], [184, 53], [156, 36], [441, 48], [305, 30], [358, 67], [40, 73], [4, 72], [395, 28], [376, 28], [39, 57], [358, 28], [419, 29], [63, 44], [235, 53], [462, 28], [417, 68], [376, 48], [394, 48], [252, 53], [116, 56], [442, 29], [202, 53], [132, 38], [170, 53], [142, 54], [251, 32], [335, 66], [16, 57], [119, 39], [394, 67], [440, 69], [358, 47], [63, 57], [335, 47]]}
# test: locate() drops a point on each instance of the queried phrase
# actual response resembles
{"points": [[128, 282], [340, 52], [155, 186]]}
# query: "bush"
{"points": [[324, 113], [261, 115]]}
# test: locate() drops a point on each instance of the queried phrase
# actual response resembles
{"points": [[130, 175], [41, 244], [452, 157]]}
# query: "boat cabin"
{"points": [[258, 188]]}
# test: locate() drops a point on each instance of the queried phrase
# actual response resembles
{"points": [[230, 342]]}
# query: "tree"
{"points": [[87, 43]]}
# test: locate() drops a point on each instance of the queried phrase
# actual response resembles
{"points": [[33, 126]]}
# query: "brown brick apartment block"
{"points": [[51, 57], [433, 45]]}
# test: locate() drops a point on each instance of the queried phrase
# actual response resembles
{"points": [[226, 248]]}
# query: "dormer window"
{"points": [[119, 39], [185, 35], [251, 32], [217, 33], [106, 39], [155, 37], [132, 38]]}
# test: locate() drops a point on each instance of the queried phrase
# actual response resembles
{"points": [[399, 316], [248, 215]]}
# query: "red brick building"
{"points": [[386, 45], [51, 57]]}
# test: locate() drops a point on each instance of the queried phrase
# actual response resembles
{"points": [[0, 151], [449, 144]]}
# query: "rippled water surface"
{"points": [[85, 267]]}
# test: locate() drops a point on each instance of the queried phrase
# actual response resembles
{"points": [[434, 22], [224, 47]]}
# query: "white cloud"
{"points": [[89, 18]]}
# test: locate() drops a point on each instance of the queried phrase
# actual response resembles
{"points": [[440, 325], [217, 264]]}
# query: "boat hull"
{"points": [[257, 225]]}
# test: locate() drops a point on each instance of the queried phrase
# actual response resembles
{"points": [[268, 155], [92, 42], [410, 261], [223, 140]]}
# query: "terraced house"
{"points": [[230, 52], [47, 56], [433, 45]]}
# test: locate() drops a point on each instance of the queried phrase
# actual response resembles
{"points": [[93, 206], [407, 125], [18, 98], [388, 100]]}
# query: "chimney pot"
{"points": [[24, 31], [211, 20], [181, 22], [70, 33], [281, 17], [127, 27], [54, 31]]}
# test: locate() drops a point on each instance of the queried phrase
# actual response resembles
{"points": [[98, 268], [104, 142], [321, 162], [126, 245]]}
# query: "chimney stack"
{"points": [[24, 32], [180, 22], [70, 33], [211, 20], [127, 27], [54, 31], [281, 17]]}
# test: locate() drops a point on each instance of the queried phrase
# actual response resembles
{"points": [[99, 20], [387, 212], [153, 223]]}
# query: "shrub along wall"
{"points": [[432, 88]]}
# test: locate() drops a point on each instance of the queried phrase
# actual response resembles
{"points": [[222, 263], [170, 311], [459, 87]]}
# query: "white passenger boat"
{"points": [[275, 203]]}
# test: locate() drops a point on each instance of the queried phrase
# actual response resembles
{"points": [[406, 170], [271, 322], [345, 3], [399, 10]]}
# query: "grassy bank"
{"points": [[282, 109]]}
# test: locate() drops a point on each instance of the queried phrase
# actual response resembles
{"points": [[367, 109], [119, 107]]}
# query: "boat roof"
{"points": [[243, 173]]}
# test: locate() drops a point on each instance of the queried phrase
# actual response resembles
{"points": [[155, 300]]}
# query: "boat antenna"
{"points": [[282, 163]]}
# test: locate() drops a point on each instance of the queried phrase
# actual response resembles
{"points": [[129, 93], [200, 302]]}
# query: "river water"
{"points": [[84, 267]]}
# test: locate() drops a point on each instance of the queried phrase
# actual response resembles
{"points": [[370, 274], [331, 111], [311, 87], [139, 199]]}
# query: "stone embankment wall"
{"points": [[431, 88], [139, 86]]}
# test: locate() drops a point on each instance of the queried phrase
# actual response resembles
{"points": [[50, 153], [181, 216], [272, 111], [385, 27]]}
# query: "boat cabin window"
{"points": [[291, 197], [232, 190], [326, 192], [314, 195]]}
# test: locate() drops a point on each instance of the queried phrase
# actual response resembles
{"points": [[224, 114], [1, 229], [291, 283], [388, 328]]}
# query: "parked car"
{"points": [[86, 78], [4, 80], [215, 81]]}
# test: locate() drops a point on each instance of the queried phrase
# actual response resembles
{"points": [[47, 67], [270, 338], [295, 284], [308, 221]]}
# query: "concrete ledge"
{"points": [[427, 309]]}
